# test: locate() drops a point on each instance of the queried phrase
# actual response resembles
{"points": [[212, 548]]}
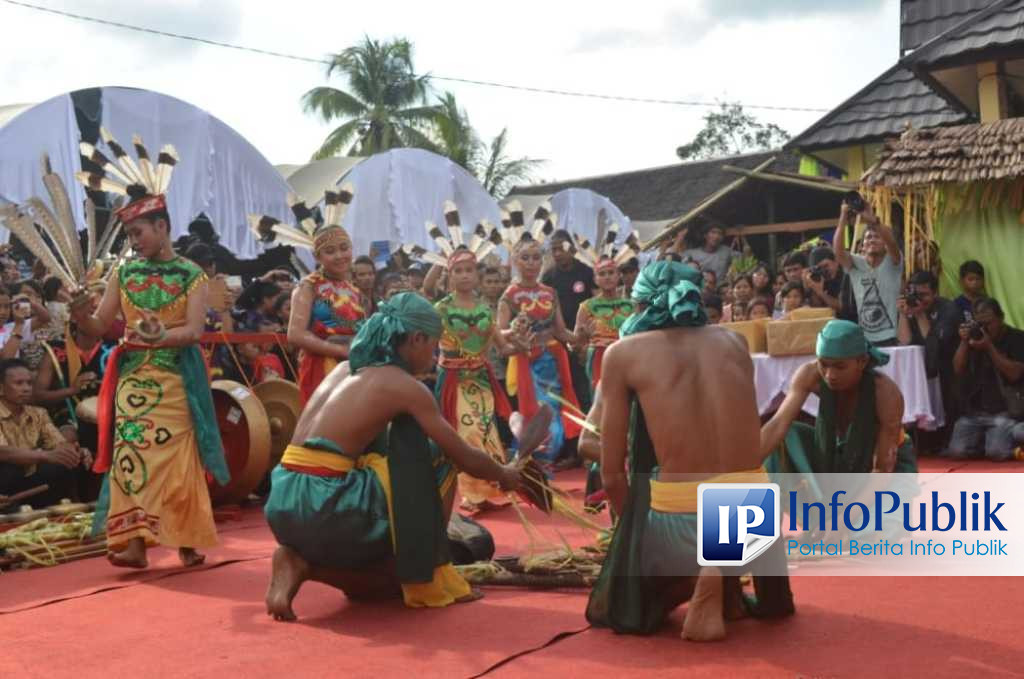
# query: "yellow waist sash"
{"points": [[311, 458], [680, 497]]}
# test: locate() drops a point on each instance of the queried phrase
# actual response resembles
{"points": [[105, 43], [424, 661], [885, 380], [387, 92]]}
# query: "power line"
{"points": [[468, 81]]}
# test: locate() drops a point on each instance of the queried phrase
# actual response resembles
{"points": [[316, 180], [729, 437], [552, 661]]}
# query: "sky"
{"points": [[799, 53]]}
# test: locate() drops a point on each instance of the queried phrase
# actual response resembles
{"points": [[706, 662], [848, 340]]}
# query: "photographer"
{"points": [[876, 276], [824, 280], [932, 322], [990, 364]]}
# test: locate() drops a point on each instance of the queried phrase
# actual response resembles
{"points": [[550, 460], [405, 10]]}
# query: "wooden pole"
{"points": [[835, 187]]}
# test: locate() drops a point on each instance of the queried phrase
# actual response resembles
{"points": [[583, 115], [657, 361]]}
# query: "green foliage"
{"points": [[730, 131]]}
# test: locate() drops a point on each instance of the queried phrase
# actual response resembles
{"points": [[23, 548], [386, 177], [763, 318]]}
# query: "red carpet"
{"points": [[87, 619]]}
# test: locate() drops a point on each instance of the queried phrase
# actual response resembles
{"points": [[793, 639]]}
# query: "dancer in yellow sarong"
{"points": [[156, 417]]}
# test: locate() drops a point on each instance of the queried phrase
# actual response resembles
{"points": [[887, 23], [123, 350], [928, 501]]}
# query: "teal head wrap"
{"points": [[402, 314], [671, 295], [843, 339]]}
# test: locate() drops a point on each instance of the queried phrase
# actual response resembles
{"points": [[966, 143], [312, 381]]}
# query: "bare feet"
{"points": [[190, 557], [288, 572], [474, 595], [704, 620], [132, 556]]}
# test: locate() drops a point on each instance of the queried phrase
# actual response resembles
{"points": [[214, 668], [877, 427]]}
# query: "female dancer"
{"points": [[540, 374]]}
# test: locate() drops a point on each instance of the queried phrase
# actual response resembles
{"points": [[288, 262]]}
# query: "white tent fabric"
{"points": [[579, 211], [310, 181], [29, 132], [397, 192], [219, 174]]}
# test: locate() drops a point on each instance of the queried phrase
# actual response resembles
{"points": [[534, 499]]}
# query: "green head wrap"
{"points": [[843, 339], [671, 293], [404, 313]]}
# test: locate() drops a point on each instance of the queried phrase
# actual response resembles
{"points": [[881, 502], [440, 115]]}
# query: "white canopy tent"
{"points": [[579, 211], [397, 192], [219, 174]]}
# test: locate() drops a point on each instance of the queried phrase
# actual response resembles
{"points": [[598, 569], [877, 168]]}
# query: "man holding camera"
{"points": [[933, 322], [824, 280], [990, 364], [876, 275]]}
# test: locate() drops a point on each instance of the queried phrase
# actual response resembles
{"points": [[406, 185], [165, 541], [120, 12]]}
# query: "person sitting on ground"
{"points": [[361, 498], [972, 283], [859, 427], [665, 357], [760, 309], [876, 277], [33, 452], [793, 297], [990, 365]]}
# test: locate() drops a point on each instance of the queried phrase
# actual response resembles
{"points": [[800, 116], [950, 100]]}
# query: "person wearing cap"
{"points": [[668, 356], [362, 496], [859, 427]]}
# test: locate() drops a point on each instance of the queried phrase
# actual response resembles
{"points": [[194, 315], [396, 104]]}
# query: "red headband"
{"points": [[605, 264], [460, 256], [141, 208]]}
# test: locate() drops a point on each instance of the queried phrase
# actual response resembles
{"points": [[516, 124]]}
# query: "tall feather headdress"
{"points": [[453, 247], [609, 253], [515, 232], [50, 233], [144, 183], [306, 234]]}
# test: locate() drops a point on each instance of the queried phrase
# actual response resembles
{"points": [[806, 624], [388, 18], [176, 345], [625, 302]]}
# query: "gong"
{"points": [[245, 433], [280, 399]]}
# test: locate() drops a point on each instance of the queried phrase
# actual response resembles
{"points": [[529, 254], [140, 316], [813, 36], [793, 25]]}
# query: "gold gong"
{"points": [[245, 433], [280, 399]]}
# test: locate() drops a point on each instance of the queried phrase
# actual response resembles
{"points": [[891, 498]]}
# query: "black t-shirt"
{"points": [[983, 394], [943, 337], [573, 287]]}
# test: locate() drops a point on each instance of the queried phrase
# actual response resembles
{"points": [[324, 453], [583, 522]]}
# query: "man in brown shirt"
{"points": [[33, 452]]}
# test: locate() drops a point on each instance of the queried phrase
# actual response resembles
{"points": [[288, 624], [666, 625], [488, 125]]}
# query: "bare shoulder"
{"points": [[807, 376], [888, 397]]}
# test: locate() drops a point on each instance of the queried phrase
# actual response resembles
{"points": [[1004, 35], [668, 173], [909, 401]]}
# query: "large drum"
{"points": [[245, 432]]}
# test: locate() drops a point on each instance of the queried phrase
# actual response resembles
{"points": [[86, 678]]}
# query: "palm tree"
{"points": [[455, 136], [499, 173], [385, 106]]}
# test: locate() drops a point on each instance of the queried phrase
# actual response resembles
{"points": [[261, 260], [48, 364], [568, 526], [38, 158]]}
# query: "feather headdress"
{"points": [[50, 233], [144, 183], [516, 234], [609, 254], [453, 247], [307, 234]]}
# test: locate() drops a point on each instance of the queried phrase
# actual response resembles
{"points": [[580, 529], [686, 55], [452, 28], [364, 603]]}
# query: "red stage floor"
{"points": [[86, 619]]}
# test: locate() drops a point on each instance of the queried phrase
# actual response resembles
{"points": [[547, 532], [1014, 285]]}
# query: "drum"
{"points": [[87, 408], [245, 433], [280, 399]]}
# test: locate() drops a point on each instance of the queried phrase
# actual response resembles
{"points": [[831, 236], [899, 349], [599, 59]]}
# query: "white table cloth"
{"points": [[922, 404]]}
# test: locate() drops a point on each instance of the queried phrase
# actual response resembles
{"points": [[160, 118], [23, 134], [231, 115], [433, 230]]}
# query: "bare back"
{"points": [[696, 390], [351, 410]]}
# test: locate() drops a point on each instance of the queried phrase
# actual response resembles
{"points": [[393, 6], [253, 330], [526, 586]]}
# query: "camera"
{"points": [[854, 201], [817, 273], [975, 332], [911, 297]]}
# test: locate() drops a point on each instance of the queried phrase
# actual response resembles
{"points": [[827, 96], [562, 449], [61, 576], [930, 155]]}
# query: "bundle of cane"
{"points": [[47, 541], [50, 233]]}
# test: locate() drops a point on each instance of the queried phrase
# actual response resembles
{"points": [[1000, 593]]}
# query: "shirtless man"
{"points": [[697, 420], [862, 406], [360, 468]]}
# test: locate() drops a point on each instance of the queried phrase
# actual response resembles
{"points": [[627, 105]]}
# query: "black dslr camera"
{"points": [[974, 327], [817, 273], [911, 297], [854, 201]]}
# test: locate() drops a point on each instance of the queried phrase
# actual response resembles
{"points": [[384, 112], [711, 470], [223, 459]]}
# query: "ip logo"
{"points": [[736, 522]]}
